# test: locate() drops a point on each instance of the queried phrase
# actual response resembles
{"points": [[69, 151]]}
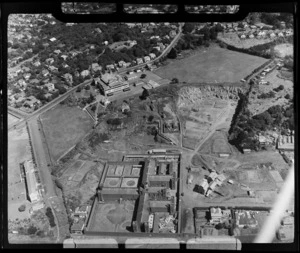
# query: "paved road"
{"points": [[48, 106], [62, 97], [40, 158], [166, 50]]}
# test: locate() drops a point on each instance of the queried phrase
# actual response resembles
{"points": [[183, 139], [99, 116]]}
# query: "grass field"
{"points": [[11, 119], [64, 126], [213, 64]]}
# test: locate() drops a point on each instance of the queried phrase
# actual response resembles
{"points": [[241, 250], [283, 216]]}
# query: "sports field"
{"points": [[213, 64], [64, 126]]}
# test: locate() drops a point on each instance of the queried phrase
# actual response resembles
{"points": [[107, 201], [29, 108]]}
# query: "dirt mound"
{"points": [[189, 96]]}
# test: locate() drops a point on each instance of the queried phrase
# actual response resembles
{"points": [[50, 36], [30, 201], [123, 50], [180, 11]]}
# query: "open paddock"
{"points": [[64, 127], [213, 64], [11, 119]]}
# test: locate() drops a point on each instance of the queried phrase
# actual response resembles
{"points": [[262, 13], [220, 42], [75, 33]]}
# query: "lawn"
{"points": [[64, 126], [213, 64]]}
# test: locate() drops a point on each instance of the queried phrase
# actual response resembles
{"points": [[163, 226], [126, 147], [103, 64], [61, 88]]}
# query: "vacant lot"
{"points": [[64, 126], [210, 65]]}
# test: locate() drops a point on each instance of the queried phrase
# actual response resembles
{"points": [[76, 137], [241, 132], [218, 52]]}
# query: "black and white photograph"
{"points": [[151, 134]]}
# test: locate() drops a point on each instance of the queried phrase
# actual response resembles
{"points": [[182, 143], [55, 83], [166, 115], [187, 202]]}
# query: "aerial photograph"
{"points": [[151, 134]]}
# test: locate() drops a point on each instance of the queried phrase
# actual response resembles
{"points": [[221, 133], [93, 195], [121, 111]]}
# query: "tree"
{"points": [[16, 90], [219, 226], [150, 118], [143, 76], [174, 80], [188, 27], [78, 89], [172, 54], [22, 208], [87, 87], [32, 230], [145, 94]]}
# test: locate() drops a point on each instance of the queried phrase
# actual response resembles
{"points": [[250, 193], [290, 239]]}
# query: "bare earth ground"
{"points": [[64, 126], [234, 40], [213, 64], [284, 49]]}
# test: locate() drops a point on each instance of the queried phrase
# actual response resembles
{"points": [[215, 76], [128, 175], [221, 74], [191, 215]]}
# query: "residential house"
{"points": [[68, 77], [121, 64], [110, 67], [157, 48], [152, 55], [64, 56], [85, 73], [251, 36], [65, 65], [50, 86], [27, 76], [105, 43], [96, 67], [74, 53], [52, 39], [167, 37], [37, 63], [49, 61], [280, 34], [272, 35], [243, 36], [22, 83], [57, 51], [132, 43], [34, 81], [53, 68], [31, 102], [45, 44], [146, 59], [139, 61]]}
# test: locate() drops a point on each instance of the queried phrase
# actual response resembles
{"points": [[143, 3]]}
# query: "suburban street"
{"points": [[57, 100]]}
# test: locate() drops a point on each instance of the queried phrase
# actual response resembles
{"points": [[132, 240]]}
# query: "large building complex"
{"points": [[31, 181], [139, 194], [110, 84]]}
